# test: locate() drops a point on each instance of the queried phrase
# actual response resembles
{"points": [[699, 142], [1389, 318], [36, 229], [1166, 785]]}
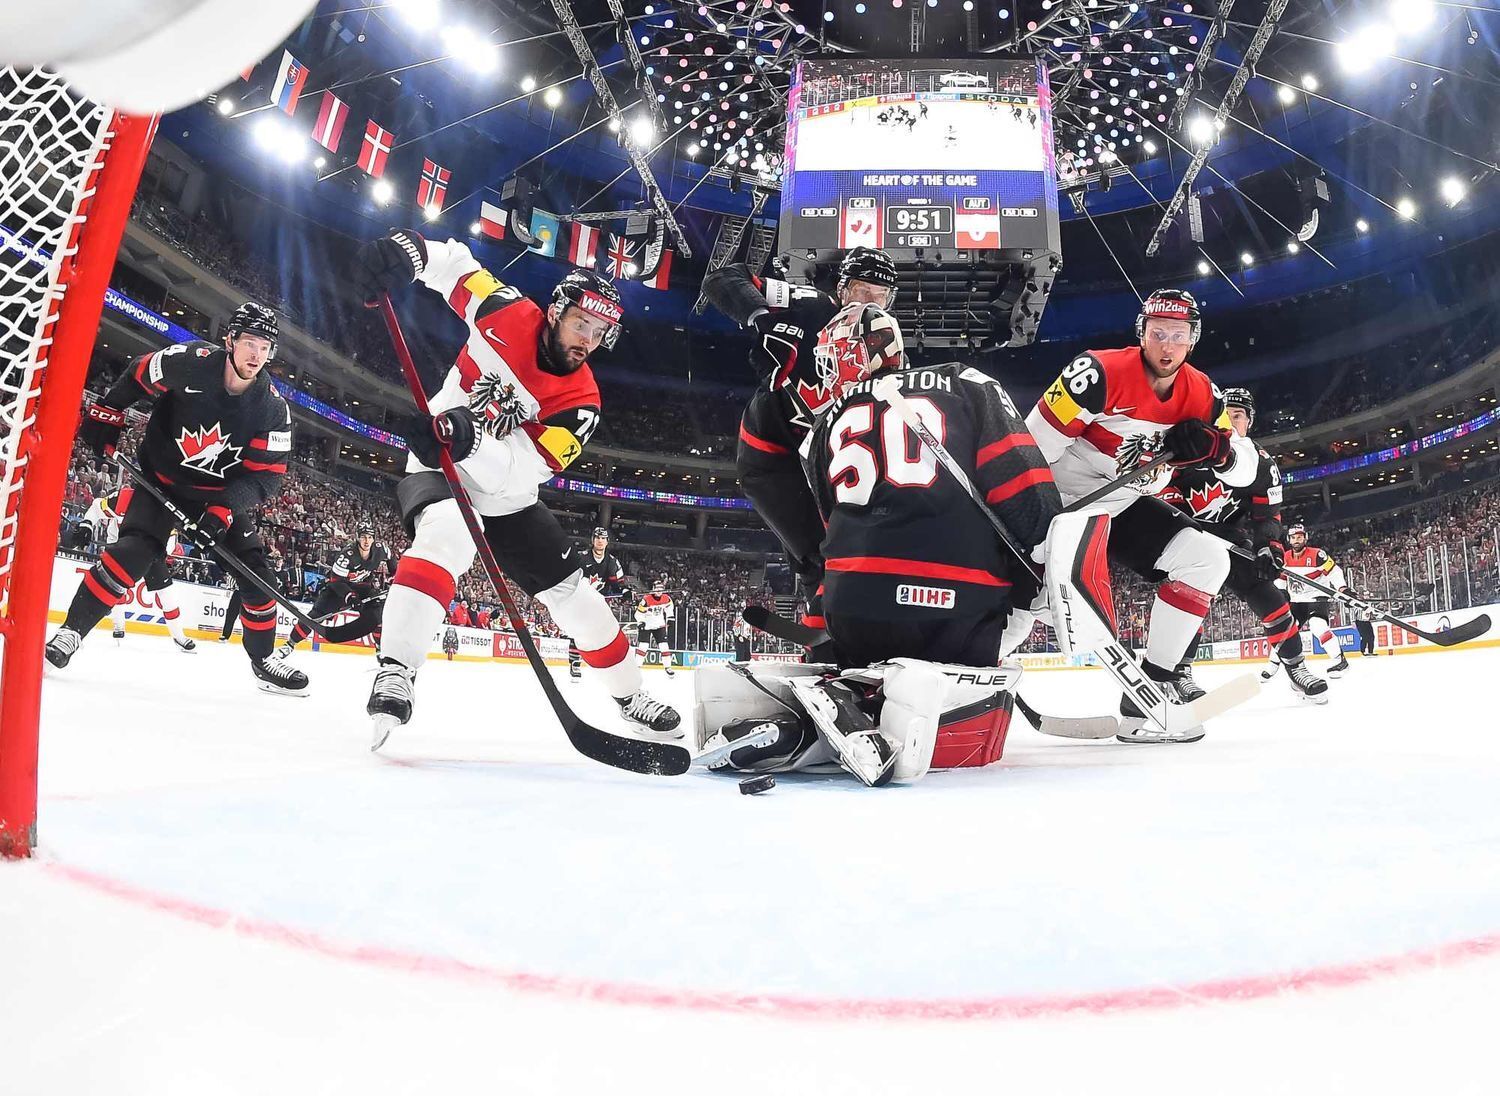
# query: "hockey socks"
{"points": [[581, 611]]}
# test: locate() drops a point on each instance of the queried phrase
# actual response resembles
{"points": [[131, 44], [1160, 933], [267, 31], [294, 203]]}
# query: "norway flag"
{"points": [[432, 188], [289, 80]]}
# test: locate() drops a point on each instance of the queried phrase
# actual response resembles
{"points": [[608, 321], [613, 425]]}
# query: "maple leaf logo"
{"points": [[208, 450], [1209, 499]]}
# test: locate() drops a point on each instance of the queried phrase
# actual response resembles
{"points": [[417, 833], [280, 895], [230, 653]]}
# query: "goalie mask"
{"points": [[862, 340]]}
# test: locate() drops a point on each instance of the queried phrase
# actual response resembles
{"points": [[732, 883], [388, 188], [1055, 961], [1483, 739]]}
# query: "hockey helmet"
{"points": [[254, 319], [1241, 398], [658, 587], [862, 340], [868, 264], [599, 533], [364, 529], [1294, 529], [1170, 304], [594, 294]]}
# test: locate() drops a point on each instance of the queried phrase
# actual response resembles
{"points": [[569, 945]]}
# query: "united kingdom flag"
{"points": [[621, 257], [433, 186]]}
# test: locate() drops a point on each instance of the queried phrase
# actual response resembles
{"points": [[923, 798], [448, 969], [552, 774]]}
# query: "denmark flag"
{"points": [[581, 247], [329, 127], [432, 188], [376, 147]]}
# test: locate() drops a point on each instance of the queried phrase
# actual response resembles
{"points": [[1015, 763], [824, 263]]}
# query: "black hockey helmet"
{"points": [[1170, 304], [1241, 398], [364, 529], [593, 293], [599, 531], [254, 319], [868, 264]]}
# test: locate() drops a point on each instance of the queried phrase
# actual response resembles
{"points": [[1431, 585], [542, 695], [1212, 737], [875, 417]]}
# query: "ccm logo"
{"points": [[928, 597]]}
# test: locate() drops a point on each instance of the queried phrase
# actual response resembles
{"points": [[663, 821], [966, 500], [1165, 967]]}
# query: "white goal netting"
{"points": [[52, 145]]}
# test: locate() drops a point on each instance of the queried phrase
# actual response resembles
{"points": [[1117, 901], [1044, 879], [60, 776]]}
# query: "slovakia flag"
{"points": [[289, 80]]}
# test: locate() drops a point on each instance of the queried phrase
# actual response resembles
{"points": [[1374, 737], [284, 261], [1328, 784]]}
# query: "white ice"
{"points": [[233, 895]]}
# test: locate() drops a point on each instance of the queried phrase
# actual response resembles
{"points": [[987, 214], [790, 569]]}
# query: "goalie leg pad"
{"points": [[946, 717], [1077, 576], [723, 695]]}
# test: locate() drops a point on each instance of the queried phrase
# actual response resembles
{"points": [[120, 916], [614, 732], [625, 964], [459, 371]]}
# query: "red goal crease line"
{"points": [[787, 1006]]}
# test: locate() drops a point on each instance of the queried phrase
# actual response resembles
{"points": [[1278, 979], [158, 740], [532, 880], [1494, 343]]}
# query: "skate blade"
{"points": [[651, 734], [1151, 736], [383, 726], [276, 690], [719, 755]]}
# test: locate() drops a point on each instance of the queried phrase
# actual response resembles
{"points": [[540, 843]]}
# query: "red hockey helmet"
{"points": [[862, 340], [1170, 304]]}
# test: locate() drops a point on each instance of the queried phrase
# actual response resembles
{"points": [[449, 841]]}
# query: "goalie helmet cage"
{"points": [[68, 174]]}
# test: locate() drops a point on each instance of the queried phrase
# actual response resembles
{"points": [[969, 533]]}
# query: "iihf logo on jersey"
{"points": [[207, 450]]}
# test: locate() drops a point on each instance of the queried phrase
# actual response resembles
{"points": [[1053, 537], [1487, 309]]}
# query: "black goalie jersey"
{"points": [[203, 443], [903, 539], [1250, 515]]}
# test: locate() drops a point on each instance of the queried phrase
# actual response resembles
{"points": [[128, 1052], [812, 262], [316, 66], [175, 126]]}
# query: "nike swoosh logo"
{"points": [[568, 553], [1123, 410], [193, 391], [494, 338]]}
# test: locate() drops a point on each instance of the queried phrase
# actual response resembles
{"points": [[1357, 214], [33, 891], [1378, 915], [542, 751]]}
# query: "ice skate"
{"points": [[277, 677], [62, 646], [1338, 668], [1135, 727], [1307, 684], [1185, 687], [391, 699], [185, 644], [862, 749], [653, 715]]}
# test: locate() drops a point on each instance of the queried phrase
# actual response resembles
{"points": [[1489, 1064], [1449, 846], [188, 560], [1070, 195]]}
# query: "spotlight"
{"points": [[614, 125], [382, 191], [1362, 225], [226, 106], [421, 14], [475, 229], [1200, 130], [528, 84], [1406, 208], [471, 49], [1412, 15], [320, 163], [1247, 259], [642, 131], [1453, 190], [1286, 95], [1309, 82], [1150, 147], [1203, 267], [1367, 45], [1292, 247], [552, 97], [431, 211]]}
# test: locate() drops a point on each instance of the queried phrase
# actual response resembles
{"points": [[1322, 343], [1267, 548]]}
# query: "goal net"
{"points": [[68, 172]]}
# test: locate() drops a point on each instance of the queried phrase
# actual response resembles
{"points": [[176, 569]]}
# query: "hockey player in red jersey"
{"points": [[796, 385], [1251, 517], [517, 407], [1112, 410], [217, 443], [653, 615], [1312, 607], [914, 573]]}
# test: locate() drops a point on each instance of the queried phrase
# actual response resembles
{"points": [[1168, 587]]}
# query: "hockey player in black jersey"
{"points": [[1249, 516], [359, 575], [603, 572], [216, 443], [794, 389]]}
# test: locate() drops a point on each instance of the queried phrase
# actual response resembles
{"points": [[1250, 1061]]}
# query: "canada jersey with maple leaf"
{"points": [[203, 443], [1255, 508]]}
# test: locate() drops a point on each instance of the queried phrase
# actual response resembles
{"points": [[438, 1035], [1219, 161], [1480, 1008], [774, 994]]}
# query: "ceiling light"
{"points": [[528, 84], [1200, 130], [1286, 95], [422, 14], [552, 97], [1247, 259], [1292, 247], [1407, 208], [1362, 225], [1453, 190], [1359, 52], [1203, 267], [1309, 82], [642, 131], [225, 106], [432, 211], [1150, 147], [471, 49], [1412, 15], [475, 228], [382, 191]]}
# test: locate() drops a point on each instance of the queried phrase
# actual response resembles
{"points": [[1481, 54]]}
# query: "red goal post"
{"points": [[68, 174]]}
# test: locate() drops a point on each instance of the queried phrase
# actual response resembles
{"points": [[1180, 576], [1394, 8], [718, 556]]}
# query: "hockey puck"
{"points": [[754, 785]]}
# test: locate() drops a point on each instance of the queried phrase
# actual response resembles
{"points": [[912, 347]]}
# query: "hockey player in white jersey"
{"points": [[1310, 607], [103, 517], [653, 613], [516, 408]]}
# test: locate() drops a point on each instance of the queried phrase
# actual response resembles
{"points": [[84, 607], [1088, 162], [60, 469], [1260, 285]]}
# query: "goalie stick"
{"points": [[1176, 722], [333, 634], [1060, 726], [632, 754]]}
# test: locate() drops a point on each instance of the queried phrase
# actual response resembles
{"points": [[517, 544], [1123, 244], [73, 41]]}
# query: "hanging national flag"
{"points": [[376, 147], [289, 80], [545, 227], [333, 112], [432, 188], [247, 72], [492, 220], [581, 247], [621, 256], [663, 268]]}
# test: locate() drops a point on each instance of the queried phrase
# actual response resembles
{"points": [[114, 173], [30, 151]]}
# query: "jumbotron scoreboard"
{"points": [[920, 154]]}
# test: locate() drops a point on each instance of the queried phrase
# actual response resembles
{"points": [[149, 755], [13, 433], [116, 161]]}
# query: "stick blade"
{"points": [[634, 755], [1229, 695], [1469, 629]]}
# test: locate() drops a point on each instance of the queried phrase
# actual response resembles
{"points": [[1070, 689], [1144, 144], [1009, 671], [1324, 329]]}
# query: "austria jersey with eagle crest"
{"points": [[1101, 417], [534, 423], [793, 389], [202, 442]]}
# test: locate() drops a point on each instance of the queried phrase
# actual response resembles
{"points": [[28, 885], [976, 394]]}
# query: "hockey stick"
{"points": [[1060, 726], [1108, 489], [632, 754], [230, 561], [1174, 720], [1471, 629]]}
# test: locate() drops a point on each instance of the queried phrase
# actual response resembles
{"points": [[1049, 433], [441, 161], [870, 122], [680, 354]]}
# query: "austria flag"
{"points": [[329, 127], [432, 188], [492, 220], [376, 147], [581, 247], [289, 80]]}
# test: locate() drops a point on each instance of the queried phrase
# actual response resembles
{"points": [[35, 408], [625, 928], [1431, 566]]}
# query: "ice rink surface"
{"points": [[954, 135], [232, 895]]}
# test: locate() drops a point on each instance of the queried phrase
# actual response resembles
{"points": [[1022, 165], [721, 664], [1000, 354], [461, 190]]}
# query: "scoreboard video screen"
{"points": [[919, 154]]}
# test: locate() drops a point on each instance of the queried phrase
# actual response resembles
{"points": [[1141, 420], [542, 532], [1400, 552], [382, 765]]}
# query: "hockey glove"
{"points": [[1268, 562], [452, 430], [101, 428], [215, 523], [1194, 442], [776, 343], [385, 264]]}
